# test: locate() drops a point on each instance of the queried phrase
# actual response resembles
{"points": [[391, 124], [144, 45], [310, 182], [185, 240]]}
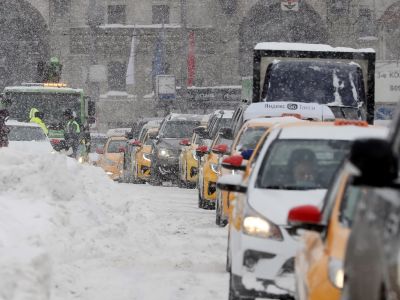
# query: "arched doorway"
{"points": [[266, 22], [23, 42], [390, 24]]}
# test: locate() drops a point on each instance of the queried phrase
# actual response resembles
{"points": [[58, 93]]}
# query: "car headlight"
{"points": [[147, 156], [109, 173], [163, 152], [80, 160], [214, 168], [260, 227], [336, 272], [194, 155]]}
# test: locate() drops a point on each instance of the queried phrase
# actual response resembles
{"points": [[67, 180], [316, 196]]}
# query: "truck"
{"points": [[343, 79], [52, 99]]}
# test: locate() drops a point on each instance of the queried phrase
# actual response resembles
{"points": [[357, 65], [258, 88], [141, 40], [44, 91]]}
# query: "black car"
{"points": [[372, 264], [166, 149]]}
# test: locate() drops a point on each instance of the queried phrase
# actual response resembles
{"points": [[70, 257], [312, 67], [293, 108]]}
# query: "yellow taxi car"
{"points": [[188, 160], [319, 263], [141, 163], [112, 157], [209, 170]]}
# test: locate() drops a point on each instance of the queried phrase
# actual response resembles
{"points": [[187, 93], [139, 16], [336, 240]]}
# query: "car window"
{"points": [[301, 164], [219, 140], [97, 143], [148, 140], [348, 205], [26, 133], [249, 138], [179, 129], [114, 146], [330, 197]]}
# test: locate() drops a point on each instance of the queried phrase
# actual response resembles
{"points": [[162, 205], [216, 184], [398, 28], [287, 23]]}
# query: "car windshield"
{"points": [[301, 164], [179, 129], [97, 143], [114, 146], [249, 138], [331, 83], [26, 133], [52, 105]]}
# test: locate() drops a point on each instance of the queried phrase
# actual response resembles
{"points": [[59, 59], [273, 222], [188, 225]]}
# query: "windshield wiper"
{"points": [[290, 187]]}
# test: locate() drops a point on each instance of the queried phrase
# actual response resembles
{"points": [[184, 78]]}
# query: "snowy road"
{"points": [[69, 232], [165, 248]]}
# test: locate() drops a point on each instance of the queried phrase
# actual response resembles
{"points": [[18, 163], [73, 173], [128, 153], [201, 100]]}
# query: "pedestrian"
{"points": [[72, 132], [36, 116]]}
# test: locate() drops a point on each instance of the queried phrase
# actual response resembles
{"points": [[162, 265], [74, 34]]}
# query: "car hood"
{"points": [[276, 204], [169, 143]]}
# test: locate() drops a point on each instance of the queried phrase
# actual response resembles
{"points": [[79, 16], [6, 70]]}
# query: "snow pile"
{"points": [[44, 201]]}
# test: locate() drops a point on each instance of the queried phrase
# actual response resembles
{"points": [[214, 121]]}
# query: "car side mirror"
{"points": [[122, 149], [184, 142], [201, 151], [373, 157], [220, 149], [226, 133], [100, 151], [306, 217], [234, 162], [231, 183], [136, 143], [246, 154]]}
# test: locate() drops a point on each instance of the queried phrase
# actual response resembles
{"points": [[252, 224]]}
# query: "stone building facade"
{"points": [[93, 40]]}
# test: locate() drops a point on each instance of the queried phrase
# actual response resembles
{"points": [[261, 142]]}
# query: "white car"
{"points": [[293, 168], [28, 137]]}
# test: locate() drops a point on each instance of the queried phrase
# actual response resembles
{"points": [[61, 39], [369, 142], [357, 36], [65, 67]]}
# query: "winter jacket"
{"points": [[34, 119]]}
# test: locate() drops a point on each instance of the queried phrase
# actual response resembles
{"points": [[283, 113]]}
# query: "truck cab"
{"points": [[340, 78]]}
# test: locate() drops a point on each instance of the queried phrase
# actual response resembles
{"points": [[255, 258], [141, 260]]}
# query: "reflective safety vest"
{"points": [[38, 121], [72, 127]]}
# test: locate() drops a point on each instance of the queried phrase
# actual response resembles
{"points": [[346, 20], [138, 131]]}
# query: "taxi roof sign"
{"points": [[306, 111]]}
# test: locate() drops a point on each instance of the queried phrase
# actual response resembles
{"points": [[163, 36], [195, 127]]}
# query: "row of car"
{"points": [[279, 177]]}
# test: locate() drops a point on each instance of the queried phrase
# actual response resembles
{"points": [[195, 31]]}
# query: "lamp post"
{"points": [[95, 19], [184, 67]]}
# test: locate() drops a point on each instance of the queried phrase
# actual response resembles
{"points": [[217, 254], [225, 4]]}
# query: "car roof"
{"points": [[21, 124], [118, 132], [117, 138], [329, 131], [187, 117]]}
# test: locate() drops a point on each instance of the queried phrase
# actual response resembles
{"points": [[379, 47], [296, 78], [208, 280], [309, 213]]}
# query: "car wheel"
{"points": [[228, 266], [218, 215]]}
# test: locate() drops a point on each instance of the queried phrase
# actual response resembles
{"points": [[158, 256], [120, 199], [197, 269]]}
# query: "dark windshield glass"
{"points": [[301, 164], [22, 133], [114, 146], [179, 129], [51, 104], [314, 82], [250, 138]]}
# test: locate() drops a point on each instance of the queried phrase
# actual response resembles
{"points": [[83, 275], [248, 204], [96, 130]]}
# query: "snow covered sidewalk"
{"points": [[68, 232]]}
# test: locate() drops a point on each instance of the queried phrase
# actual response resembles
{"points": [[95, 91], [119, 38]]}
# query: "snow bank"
{"points": [[44, 201]]}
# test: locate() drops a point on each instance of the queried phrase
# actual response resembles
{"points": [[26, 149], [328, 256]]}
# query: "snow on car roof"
{"points": [[227, 114], [312, 111], [330, 131], [21, 124], [277, 120], [187, 117], [117, 131], [308, 47]]}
